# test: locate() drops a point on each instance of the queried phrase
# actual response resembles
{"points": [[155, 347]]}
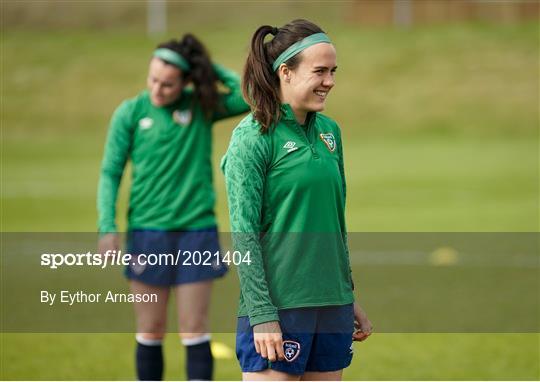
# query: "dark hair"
{"points": [[201, 73], [260, 84]]}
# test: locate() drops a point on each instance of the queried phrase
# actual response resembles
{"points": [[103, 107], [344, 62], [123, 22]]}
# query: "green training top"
{"points": [[286, 192], [170, 151]]}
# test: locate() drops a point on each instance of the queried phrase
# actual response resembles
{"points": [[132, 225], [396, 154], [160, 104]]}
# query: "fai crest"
{"points": [[291, 350], [182, 117], [329, 141], [137, 267]]}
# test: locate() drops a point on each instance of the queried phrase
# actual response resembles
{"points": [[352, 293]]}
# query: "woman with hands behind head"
{"points": [[165, 131]]}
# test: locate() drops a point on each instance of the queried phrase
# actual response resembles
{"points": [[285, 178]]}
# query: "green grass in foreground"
{"points": [[383, 356]]}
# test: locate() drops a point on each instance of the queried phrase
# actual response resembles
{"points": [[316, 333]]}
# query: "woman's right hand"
{"points": [[109, 242], [268, 340]]}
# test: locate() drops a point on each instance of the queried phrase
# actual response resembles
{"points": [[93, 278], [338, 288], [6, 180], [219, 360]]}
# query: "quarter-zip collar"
{"points": [[289, 116]]}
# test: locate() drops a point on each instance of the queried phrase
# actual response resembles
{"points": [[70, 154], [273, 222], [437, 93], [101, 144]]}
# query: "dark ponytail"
{"points": [[260, 84], [201, 73]]}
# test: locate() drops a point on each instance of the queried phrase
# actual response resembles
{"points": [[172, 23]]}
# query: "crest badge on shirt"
{"points": [[329, 141], [182, 117], [291, 349]]}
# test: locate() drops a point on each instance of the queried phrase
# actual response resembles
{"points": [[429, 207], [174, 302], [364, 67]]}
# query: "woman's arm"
{"points": [[231, 103], [116, 153], [245, 171]]}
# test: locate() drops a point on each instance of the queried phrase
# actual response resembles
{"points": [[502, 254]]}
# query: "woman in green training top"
{"points": [[166, 133], [286, 191]]}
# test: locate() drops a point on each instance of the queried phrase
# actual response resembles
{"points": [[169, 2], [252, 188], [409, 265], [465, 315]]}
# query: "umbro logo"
{"points": [[146, 123], [290, 146]]}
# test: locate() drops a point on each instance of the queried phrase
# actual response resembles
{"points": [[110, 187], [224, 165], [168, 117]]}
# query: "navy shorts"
{"points": [[191, 256], [314, 339]]}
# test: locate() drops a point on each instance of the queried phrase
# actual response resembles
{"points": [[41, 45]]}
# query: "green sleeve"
{"points": [[116, 153], [344, 191], [231, 103], [245, 170]]}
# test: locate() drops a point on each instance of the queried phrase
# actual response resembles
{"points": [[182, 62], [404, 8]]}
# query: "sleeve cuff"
{"points": [[262, 318], [107, 229]]}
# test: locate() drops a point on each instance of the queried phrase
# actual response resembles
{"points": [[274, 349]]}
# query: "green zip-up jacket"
{"points": [[170, 151], [286, 193]]}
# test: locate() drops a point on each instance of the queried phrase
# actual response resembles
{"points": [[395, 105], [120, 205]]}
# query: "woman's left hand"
{"points": [[362, 324]]}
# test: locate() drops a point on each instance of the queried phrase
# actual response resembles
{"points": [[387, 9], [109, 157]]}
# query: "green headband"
{"points": [[173, 58], [299, 46]]}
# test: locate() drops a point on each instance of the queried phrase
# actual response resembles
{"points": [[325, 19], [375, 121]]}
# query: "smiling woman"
{"points": [[285, 181], [306, 88]]}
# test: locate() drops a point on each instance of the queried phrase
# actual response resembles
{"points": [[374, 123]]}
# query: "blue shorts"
{"points": [[314, 339], [179, 268]]}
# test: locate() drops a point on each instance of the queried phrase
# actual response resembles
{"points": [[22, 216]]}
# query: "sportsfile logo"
{"points": [[290, 146]]}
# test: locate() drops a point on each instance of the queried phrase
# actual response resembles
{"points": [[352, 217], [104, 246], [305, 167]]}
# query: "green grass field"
{"points": [[440, 128], [384, 357]]}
